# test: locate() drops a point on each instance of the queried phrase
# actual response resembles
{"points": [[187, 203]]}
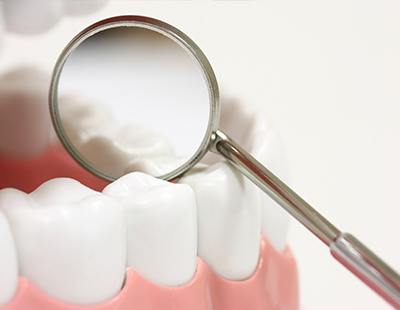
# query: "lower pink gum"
{"points": [[274, 285]]}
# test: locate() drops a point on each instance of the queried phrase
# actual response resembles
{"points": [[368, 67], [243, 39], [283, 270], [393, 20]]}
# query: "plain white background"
{"points": [[327, 73]]}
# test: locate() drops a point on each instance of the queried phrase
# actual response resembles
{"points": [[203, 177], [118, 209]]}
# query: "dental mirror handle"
{"points": [[350, 252]]}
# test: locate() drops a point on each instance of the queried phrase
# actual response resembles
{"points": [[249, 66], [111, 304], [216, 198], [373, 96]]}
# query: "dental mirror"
{"points": [[133, 93]]}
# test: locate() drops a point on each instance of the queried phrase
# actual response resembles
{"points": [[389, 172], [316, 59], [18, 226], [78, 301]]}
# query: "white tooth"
{"points": [[229, 222], [83, 7], [71, 240], [275, 220], [107, 145], [24, 118], [265, 145], [155, 166], [8, 262], [32, 17], [162, 227]]}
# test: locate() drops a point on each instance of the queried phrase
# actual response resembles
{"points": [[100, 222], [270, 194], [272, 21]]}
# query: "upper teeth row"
{"points": [[75, 243]]}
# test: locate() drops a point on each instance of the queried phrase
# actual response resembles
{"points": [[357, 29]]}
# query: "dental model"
{"points": [[210, 242]]}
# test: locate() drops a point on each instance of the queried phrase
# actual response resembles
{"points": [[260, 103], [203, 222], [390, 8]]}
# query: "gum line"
{"points": [[274, 285]]}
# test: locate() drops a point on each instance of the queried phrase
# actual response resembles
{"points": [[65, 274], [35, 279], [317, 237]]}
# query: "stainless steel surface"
{"points": [[345, 248], [165, 29], [362, 262]]}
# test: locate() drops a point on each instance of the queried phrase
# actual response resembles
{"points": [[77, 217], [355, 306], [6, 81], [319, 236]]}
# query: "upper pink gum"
{"points": [[274, 285]]}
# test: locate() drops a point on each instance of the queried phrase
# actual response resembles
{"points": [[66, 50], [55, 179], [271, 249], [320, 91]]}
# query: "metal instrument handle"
{"points": [[345, 248]]}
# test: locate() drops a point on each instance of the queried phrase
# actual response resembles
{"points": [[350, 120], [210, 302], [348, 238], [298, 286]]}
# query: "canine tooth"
{"points": [[8, 262], [24, 118], [32, 17], [74, 8], [71, 240], [229, 221], [162, 227]]}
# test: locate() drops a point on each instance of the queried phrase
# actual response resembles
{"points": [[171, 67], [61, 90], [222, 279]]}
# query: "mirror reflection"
{"points": [[132, 99]]}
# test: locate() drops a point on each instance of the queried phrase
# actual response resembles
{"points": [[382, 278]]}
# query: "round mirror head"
{"points": [[132, 93]]}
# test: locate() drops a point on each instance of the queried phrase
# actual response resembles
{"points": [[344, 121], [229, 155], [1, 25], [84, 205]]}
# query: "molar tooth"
{"points": [[24, 118], [8, 262], [229, 221], [162, 227], [71, 240]]}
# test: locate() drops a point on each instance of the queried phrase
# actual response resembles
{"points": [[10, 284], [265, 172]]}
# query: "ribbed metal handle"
{"points": [[345, 248]]}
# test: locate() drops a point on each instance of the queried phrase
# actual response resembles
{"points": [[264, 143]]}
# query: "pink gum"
{"points": [[274, 285]]}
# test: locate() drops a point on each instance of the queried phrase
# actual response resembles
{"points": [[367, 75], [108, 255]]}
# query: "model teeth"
{"points": [[8, 262], [24, 118], [75, 243], [232, 211], [162, 227], [71, 241]]}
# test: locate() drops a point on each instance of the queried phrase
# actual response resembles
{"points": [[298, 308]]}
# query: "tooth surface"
{"points": [[107, 145], [82, 7], [24, 118], [162, 227], [31, 17], [229, 221], [250, 127], [8, 262], [71, 240]]}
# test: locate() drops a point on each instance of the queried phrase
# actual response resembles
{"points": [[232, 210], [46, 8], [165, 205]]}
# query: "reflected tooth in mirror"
{"points": [[229, 220], [32, 17], [162, 227], [110, 145], [71, 240], [24, 117], [8, 262]]}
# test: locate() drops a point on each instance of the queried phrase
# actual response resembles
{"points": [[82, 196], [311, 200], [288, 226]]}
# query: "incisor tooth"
{"points": [[8, 262], [162, 227], [71, 241]]}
